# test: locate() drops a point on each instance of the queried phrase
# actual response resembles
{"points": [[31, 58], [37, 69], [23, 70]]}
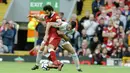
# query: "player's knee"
{"points": [[50, 49], [41, 48], [66, 43], [67, 46], [45, 50], [66, 53], [51, 46], [72, 51]]}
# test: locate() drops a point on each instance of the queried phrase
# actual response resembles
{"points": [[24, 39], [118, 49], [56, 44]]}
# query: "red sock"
{"points": [[53, 56]]}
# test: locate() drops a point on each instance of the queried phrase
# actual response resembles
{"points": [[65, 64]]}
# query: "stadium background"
{"points": [[17, 10]]}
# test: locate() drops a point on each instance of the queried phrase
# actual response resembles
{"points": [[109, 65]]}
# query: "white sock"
{"points": [[76, 60], [38, 58]]}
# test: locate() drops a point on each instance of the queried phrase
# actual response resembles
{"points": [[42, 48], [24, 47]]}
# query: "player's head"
{"points": [[48, 9], [71, 25], [61, 14]]}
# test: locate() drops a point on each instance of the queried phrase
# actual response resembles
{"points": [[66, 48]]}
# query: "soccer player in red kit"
{"points": [[51, 38]]}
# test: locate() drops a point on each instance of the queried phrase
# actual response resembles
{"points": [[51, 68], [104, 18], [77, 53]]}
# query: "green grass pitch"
{"points": [[15, 67]]}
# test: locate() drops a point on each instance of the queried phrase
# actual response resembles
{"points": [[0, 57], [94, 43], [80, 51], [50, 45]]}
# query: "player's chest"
{"points": [[52, 19]]}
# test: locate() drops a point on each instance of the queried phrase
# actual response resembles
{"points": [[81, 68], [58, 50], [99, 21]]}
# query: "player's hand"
{"points": [[31, 16], [60, 33]]}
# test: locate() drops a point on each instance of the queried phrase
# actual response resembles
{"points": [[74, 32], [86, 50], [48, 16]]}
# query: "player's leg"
{"points": [[51, 57], [39, 57], [51, 49], [62, 35], [33, 52], [67, 46]]}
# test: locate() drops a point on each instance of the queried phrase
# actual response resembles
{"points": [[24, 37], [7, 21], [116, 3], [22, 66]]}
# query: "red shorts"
{"points": [[53, 41]]}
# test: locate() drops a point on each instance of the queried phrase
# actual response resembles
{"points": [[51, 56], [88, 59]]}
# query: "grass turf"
{"points": [[15, 67]]}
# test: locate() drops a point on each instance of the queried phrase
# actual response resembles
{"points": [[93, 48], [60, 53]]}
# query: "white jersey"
{"points": [[63, 28]]}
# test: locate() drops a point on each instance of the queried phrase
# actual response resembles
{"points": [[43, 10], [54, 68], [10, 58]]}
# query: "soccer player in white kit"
{"points": [[67, 28]]}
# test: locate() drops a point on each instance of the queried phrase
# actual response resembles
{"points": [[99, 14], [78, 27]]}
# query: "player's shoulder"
{"points": [[55, 14]]}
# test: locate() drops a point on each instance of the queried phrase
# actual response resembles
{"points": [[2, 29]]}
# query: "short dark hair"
{"points": [[73, 24], [48, 7], [62, 13]]}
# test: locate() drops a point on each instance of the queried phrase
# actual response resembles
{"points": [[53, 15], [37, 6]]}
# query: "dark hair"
{"points": [[48, 7], [73, 24], [62, 13]]}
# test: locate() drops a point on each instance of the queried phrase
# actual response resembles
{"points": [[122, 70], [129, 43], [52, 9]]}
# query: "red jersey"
{"points": [[53, 31], [53, 37]]}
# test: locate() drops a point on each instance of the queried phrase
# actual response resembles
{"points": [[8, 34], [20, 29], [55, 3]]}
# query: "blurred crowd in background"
{"points": [[103, 34]]}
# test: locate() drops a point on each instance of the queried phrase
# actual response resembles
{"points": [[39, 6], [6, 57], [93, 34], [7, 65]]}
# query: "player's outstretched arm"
{"points": [[37, 16], [54, 24]]}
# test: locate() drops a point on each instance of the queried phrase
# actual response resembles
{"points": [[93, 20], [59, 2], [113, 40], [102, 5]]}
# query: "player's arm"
{"points": [[47, 31], [58, 22], [49, 24], [54, 24], [39, 17], [60, 33]]}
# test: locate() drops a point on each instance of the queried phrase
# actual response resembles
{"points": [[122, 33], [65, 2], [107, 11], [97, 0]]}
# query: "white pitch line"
{"points": [[114, 67]]}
